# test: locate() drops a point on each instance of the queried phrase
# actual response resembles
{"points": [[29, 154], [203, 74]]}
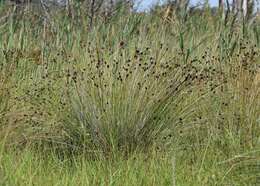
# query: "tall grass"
{"points": [[134, 86]]}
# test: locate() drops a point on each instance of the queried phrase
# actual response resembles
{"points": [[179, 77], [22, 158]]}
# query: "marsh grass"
{"points": [[119, 104]]}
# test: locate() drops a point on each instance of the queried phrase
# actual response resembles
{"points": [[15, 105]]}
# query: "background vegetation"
{"points": [[169, 97]]}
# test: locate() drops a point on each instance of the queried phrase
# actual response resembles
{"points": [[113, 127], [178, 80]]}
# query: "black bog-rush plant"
{"points": [[128, 100]]}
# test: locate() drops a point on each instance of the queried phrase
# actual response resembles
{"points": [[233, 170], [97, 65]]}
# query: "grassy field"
{"points": [[138, 99]]}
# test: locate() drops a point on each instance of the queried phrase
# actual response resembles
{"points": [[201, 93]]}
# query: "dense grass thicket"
{"points": [[138, 99]]}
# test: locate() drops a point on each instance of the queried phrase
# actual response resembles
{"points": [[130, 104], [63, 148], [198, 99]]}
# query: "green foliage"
{"points": [[135, 96]]}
